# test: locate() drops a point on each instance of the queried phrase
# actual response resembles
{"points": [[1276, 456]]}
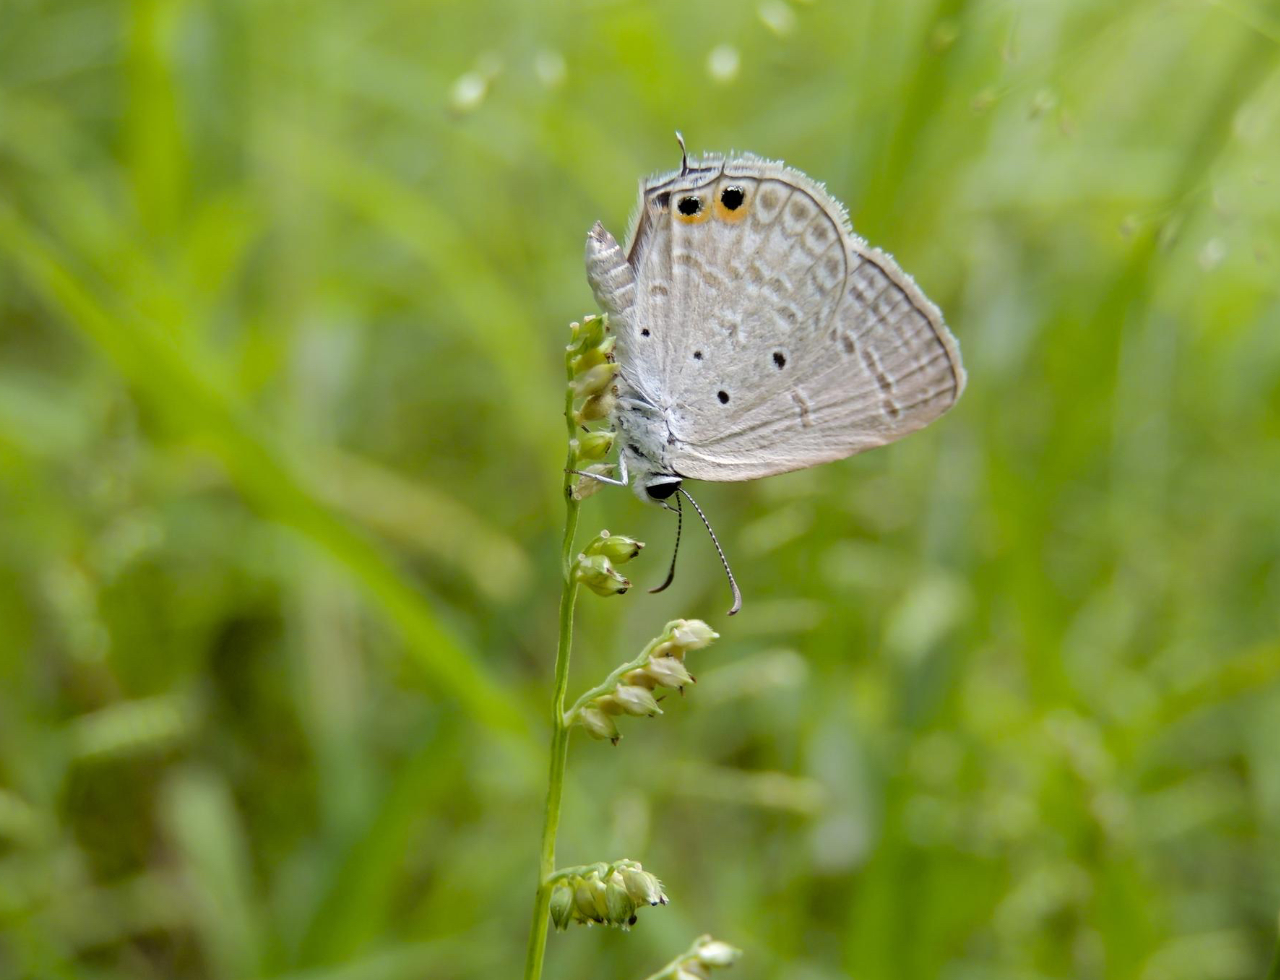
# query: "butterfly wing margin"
{"points": [[884, 366]]}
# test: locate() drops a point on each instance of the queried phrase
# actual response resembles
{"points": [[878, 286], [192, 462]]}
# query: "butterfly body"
{"points": [[757, 334]]}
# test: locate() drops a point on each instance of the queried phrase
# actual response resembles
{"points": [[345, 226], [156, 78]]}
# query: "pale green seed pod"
{"points": [[620, 905], [598, 406], [594, 380], [597, 573], [691, 634], [592, 356], [640, 678], [636, 700], [668, 672], [562, 907], [618, 548], [608, 704], [598, 724], [584, 904], [599, 895], [712, 952], [644, 888], [593, 446], [590, 332]]}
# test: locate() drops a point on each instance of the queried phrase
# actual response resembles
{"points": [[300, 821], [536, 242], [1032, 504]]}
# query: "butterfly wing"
{"points": [[771, 336]]}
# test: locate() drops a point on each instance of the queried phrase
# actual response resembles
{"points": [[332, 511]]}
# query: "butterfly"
{"points": [[757, 333]]}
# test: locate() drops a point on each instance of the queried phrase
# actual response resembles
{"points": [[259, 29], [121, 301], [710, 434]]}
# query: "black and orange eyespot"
{"points": [[691, 209], [731, 202]]}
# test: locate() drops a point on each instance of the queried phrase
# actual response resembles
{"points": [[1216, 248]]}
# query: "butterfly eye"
{"points": [[689, 206], [662, 490], [732, 198]]}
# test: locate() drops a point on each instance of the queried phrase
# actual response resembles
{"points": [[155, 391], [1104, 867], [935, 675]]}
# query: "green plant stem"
{"points": [[1274, 972], [560, 731]]}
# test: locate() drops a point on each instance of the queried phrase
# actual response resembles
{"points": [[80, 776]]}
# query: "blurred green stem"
{"points": [[1274, 972], [559, 729]]}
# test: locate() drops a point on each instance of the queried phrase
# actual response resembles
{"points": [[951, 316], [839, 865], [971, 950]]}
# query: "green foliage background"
{"points": [[283, 292]]}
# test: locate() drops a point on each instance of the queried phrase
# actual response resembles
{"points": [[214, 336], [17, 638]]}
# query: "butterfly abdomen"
{"points": [[611, 278]]}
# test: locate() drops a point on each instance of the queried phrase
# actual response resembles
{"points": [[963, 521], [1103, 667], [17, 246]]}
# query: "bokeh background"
{"points": [[284, 288]]}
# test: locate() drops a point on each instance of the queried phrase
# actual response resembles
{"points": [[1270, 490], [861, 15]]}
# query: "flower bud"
{"points": [[599, 895], [691, 634], [562, 907], [636, 700], [590, 332], [598, 406], [594, 380], [591, 356], [584, 903], [608, 704], [620, 905], [597, 573], [668, 672], [640, 678], [593, 445], [644, 888], [712, 952], [598, 724], [618, 548]]}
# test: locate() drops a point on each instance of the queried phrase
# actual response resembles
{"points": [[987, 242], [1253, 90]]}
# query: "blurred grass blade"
{"points": [[201, 818], [159, 369], [415, 514], [768, 790], [494, 318], [129, 728]]}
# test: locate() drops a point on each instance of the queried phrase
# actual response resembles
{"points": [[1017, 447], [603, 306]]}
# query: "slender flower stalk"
{"points": [[559, 729], [602, 894]]}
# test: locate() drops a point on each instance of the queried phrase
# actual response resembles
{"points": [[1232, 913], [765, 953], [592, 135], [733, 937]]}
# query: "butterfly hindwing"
{"points": [[769, 335]]}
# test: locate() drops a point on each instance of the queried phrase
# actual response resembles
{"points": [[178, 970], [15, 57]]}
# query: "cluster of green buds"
{"points": [[703, 956], [604, 894], [595, 566], [591, 370], [629, 689]]}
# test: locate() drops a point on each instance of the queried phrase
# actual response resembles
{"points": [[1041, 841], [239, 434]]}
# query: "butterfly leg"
{"points": [[621, 481]]}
